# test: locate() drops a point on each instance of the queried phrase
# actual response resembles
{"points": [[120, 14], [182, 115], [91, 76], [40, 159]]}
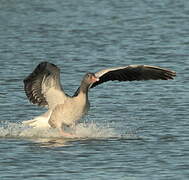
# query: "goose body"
{"points": [[43, 88]]}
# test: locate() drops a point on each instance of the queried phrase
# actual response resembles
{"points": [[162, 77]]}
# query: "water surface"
{"points": [[134, 130]]}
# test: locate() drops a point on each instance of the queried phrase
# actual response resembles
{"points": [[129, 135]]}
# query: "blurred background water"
{"points": [[134, 130]]}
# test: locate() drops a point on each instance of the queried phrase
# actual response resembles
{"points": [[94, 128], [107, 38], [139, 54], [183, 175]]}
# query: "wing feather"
{"points": [[133, 73], [42, 86]]}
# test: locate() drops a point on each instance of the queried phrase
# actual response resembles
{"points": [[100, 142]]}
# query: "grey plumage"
{"points": [[43, 88]]}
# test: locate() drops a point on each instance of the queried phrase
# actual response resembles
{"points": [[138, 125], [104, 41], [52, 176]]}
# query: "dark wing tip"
{"points": [[43, 66], [161, 73], [170, 74]]}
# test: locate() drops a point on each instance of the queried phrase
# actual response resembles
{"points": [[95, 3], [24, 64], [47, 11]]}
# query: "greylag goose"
{"points": [[43, 88]]}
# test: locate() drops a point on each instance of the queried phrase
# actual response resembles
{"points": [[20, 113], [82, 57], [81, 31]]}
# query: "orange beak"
{"points": [[94, 79]]}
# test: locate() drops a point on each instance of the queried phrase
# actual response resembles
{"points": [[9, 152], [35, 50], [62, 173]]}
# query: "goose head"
{"points": [[87, 81], [90, 78]]}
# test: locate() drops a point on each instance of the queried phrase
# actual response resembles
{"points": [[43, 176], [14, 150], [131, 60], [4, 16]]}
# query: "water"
{"points": [[134, 130]]}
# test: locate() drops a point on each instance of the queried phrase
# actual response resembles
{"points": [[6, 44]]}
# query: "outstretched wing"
{"points": [[133, 73], [43, 86]]}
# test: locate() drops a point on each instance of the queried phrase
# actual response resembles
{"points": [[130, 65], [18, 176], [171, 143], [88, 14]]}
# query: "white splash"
{"points": [[83, 130], [94, 130]]}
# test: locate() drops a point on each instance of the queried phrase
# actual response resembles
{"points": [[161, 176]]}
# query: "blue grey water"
{"points": [[134, 130]]}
